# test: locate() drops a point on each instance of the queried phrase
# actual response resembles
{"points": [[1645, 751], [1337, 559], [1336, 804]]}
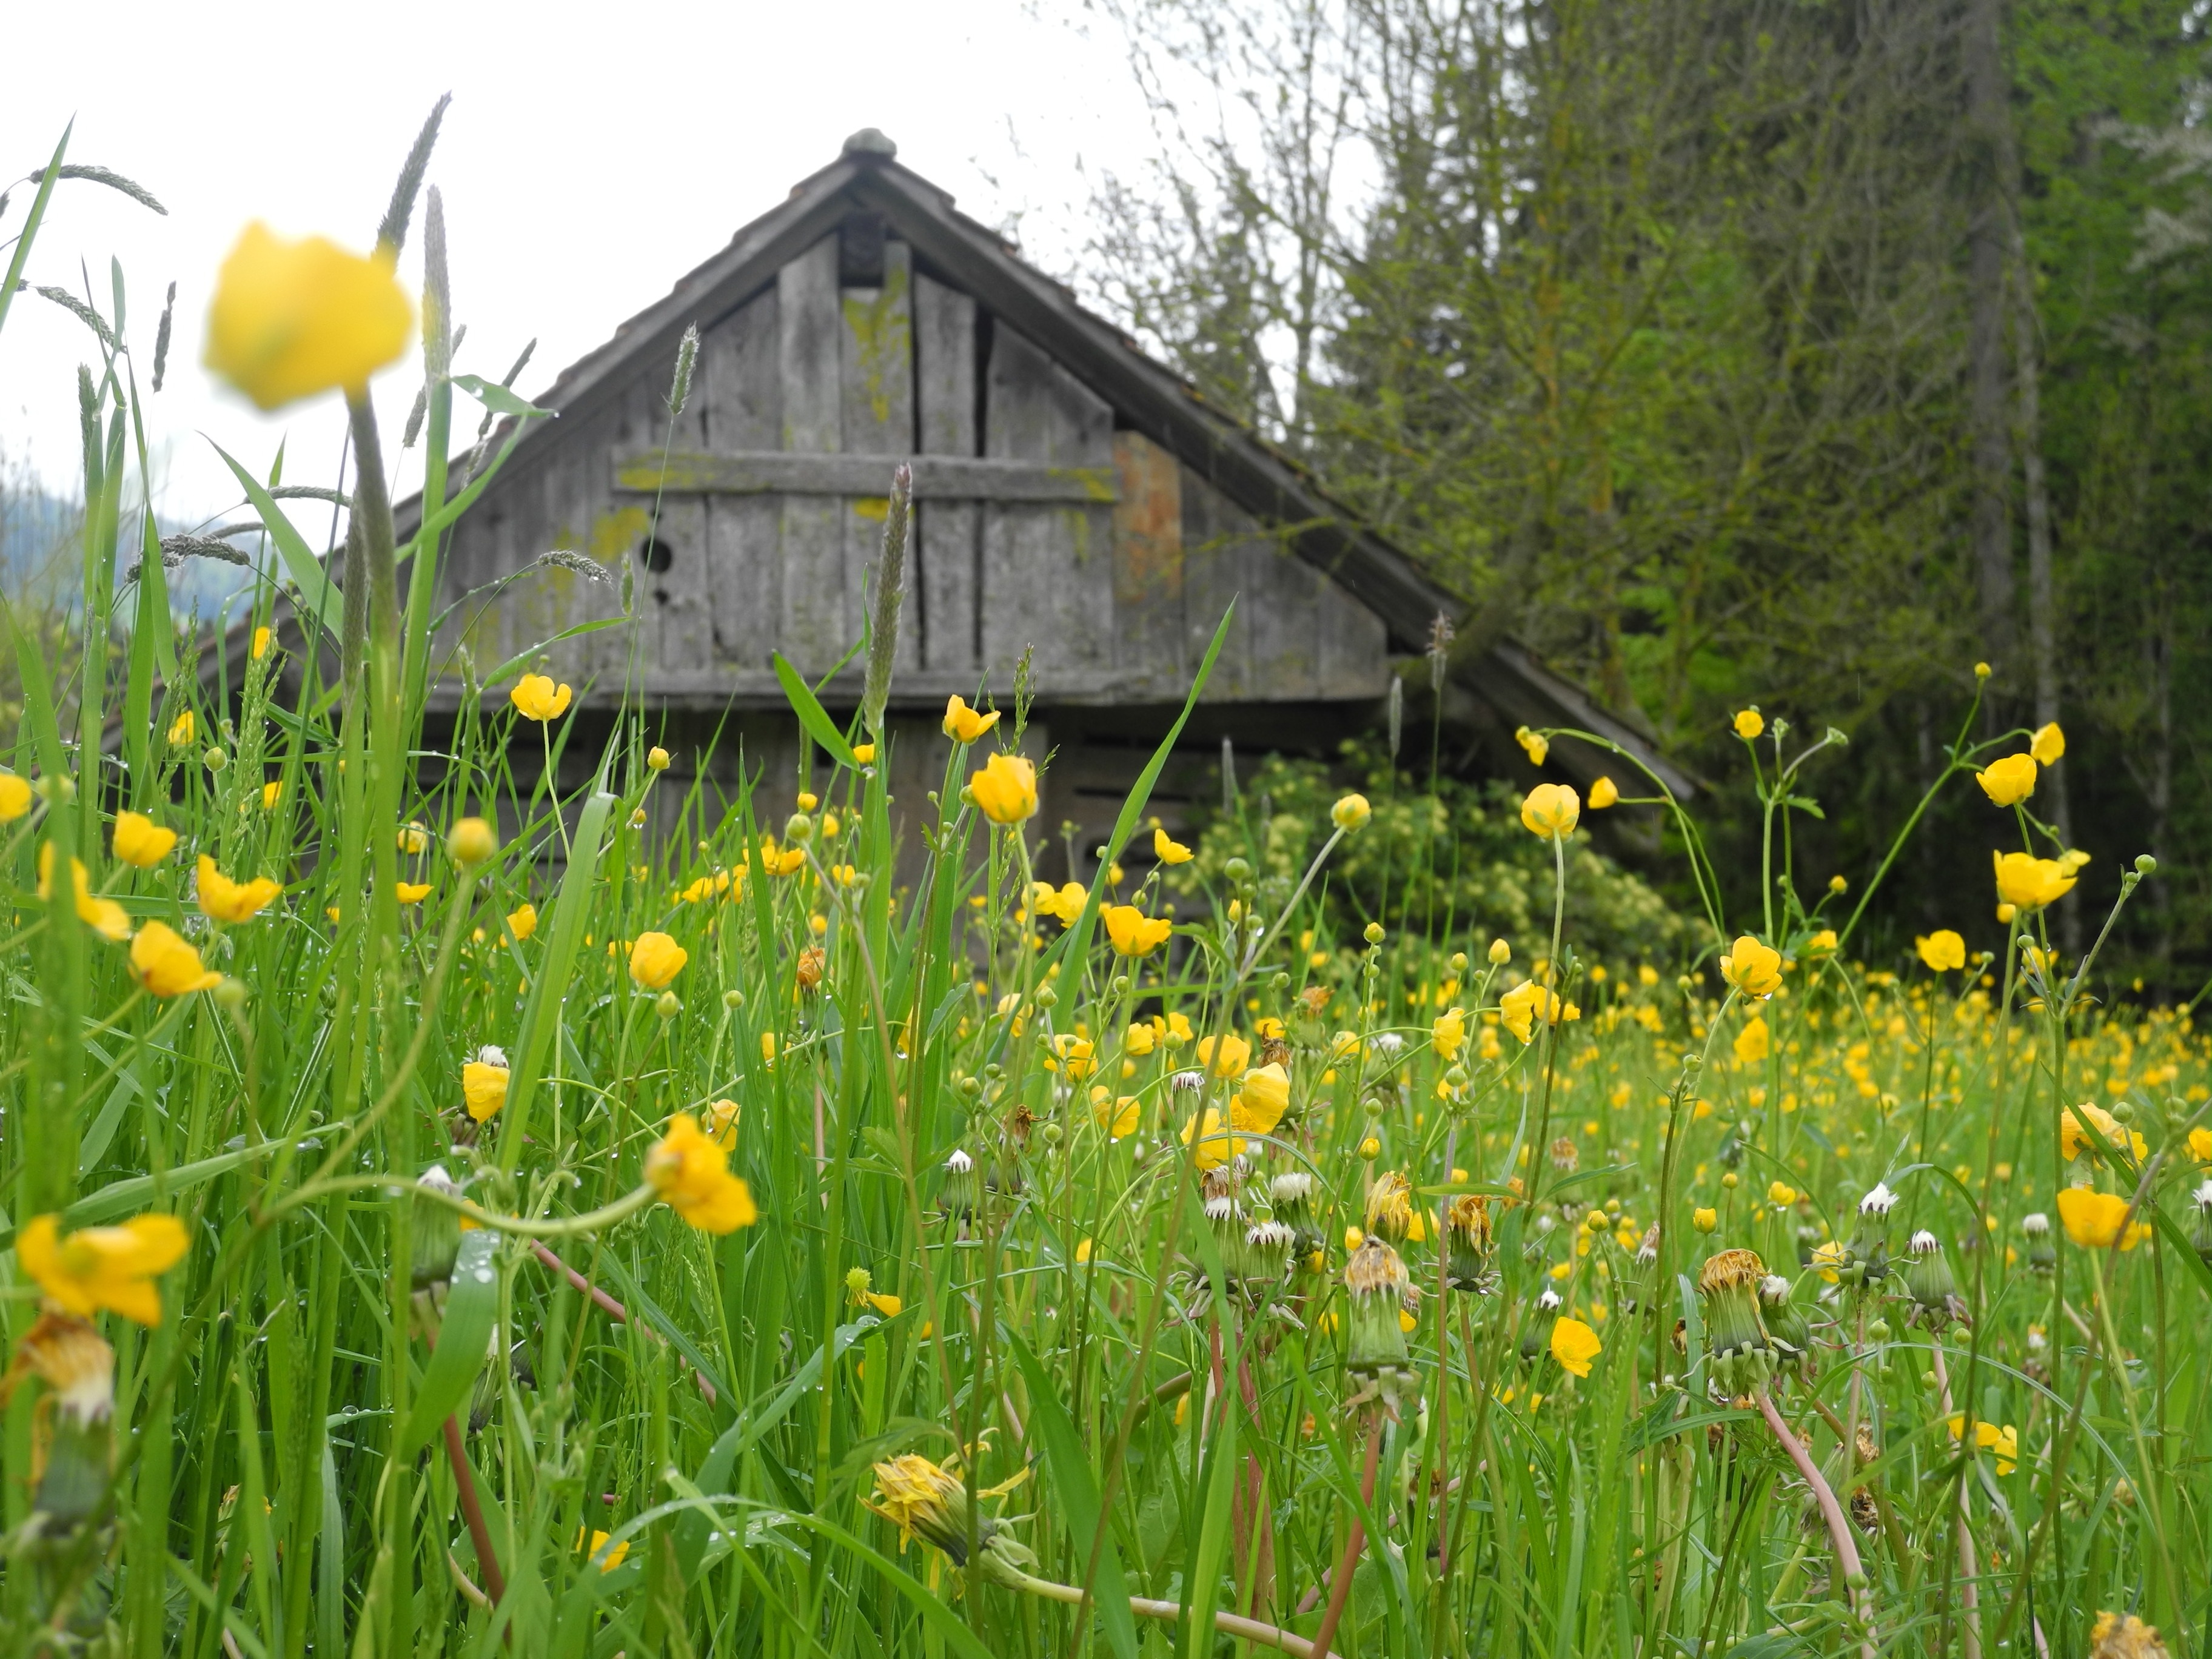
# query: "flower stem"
{"points": [[1839, 1529]]}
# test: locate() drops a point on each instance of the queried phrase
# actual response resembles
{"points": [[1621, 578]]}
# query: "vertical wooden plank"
{"points": [[1212, 579], [1048, 569], [947, 534], [741, 384], [810, 359], [1284, 593], [1148, 619], [1355, 660], [876, 397]]}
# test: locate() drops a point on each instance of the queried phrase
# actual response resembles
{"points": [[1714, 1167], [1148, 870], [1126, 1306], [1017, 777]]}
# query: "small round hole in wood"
{"points": [[655, 555]]}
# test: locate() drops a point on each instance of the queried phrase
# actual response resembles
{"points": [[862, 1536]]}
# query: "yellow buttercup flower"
{"points": [[1117, 1117], [1752, 968], [2028, 882], [15, 797], [1754, 1043], [97, 1267], [522, 922], [2092, 1219], [2009, 781], [1216, 1145], [1941, 950], [226, 900], [271, 792], [2048, 745], [1350, 812], [1780, 1193], [1164, 849], [1063, 903], [413, 838], [963, 724], [1258, 1106], [140, 840], [1448, 1034], [1005, 791], [483, 1087], [1225, 1056], [410, 893], [1749, 723], [1527, 1002], [1075, 1055], [656, 959], [1550, 811], [290, 319], [1535, 744], [2200, 1143], [538, 698], [182, 729], [690, 1171], [2073, 1137], [261, 638], [1603, 794], [1574, 1344], [1135, 934], [865, 753], [1142, 1036], [103, 915], [2005, 1442], [607, 1560], [166, 965]]}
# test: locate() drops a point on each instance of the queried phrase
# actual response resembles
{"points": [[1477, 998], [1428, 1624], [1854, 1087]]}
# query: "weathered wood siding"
{"points": [[1040, 526]]}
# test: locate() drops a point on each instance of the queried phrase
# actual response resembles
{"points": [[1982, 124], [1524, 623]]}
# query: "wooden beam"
{"points": [[788, 472]]}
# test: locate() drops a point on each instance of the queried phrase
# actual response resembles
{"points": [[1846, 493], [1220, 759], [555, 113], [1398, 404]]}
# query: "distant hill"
{"points": [[40, 557]]}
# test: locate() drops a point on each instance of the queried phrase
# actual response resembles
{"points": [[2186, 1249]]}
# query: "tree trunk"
{"points": [[1989, 170]]}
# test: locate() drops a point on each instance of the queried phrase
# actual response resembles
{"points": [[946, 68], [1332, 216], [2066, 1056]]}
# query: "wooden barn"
{"points": [[1074, 500]]}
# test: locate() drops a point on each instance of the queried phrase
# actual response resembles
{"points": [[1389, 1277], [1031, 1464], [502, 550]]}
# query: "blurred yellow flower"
{"points": [[1574, 1344], [261, 638], [1749, 723], [2072, 1137], [1005, 791], [1350, 812], [15, 797], [1753, 1042], [1168, 851], [607, 1560], [2093, 1219], [1258, 1106], [538, 698], [290, 319], [1522, 1006], [103, 915], [2200, 1143], [1550, 811], [413, 838], [1216, 1145], [483, 1087], [864, 752], [2048, 745], [2028, 882], [1073, 1053], [1140, 1038], [1135, 934], [1942, 950], [1822, 944], [140, 840], [692, 1174], [1448, 1034], [963, 724], [1752, 968], [1780, 1193], [1117, 1117], [271, 792], [1535, 744], [2004, 1443], [1225, 1056], [411, 892], [656, 959], [522, 922], [1704, 1218], [97, 1267], [1603, 794], [2009, 781], [181, 730]]}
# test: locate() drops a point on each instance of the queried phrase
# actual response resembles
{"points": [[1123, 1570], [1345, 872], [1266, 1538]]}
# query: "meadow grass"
{"points": [[521, 1231]]}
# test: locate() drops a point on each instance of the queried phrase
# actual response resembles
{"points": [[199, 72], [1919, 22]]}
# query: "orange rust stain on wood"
{"points": [[1147, 522]]}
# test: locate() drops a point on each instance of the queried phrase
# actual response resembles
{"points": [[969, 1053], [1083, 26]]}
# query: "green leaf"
{"points": [[542, 1014], [1098, 1564], [496, 398], [811, 714], [29, 233], [463, 1336]]}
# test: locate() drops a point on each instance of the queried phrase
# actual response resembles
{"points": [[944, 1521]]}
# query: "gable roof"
{"points": [[1273, 486]]}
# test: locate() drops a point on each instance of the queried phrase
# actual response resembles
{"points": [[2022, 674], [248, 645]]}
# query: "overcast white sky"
{"points": [[591, 155]]}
